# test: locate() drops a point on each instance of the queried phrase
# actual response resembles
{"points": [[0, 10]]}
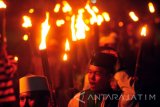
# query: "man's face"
{"points": [[98, 78], [33, 99], [27, 100]]}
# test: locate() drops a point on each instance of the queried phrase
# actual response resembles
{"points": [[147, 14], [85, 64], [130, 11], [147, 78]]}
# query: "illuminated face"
{"points": [[98, 78], [30, 99], [27, 100]]}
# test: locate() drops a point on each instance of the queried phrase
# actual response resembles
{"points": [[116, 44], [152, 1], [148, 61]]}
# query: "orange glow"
{"points": [[60, 22], [44, 32], [67, 47], [73, 29], [80, 33], [120, 24], [144, 30], [93, 19], [27, 22], [106, 16], [66, 7], [25, 37], [31, 10], [68, 18], [151, 7], [57, 8], [65, 57], [95, 9], [2, 4], [133, 16], [16, 58], [99, 20], [78, 26], [93, 1]]}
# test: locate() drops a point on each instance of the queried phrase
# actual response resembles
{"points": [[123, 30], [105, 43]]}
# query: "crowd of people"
{"points": [[108, 82]]}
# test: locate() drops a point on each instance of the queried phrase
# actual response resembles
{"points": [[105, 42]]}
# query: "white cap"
{"points": [[33, 83]]}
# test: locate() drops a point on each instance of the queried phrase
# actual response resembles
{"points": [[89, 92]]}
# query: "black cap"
{"points": [[105, 59]]}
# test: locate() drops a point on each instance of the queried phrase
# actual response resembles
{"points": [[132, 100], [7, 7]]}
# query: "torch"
{"points": [[143, 34], [43, 53], [3, 40]]}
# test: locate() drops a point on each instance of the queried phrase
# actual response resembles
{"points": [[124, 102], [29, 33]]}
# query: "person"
{"points": [[101, 72], [8, 67], [34, 91]]}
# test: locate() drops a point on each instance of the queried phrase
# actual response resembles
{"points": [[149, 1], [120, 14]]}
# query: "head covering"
{"points": [[33, 83], [106, 59]]}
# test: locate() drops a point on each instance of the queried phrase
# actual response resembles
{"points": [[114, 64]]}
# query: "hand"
{"points": [[125, 82]]}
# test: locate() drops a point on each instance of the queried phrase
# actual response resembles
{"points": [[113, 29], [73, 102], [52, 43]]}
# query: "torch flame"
{"points": [[45, 29], [60, 22], [99, 20], [66, 8], [151, 7], [73, 29], [67, 47], [25, 37], [78, 29], [133, 16], [94, 17], [57, 7], [95, 9], [27, 22], [16, 58], [31, 10], [2, 4], [65, 57], [143, 31], [106, 16]]}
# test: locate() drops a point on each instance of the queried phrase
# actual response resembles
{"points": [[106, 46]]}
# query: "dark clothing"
{"points": [[90, 102]]}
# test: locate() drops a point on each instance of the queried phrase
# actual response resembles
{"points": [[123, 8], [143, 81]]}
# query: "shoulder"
{"points": [[74, 102]]}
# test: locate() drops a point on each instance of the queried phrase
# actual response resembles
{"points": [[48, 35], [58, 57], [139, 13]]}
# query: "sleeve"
{"points": [[74, 102], [128, 96]]}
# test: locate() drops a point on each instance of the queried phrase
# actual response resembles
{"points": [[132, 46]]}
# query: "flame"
{"points": [[93, 19], [80, 26], [151, 7], [60, 22], [45, 29], [66, 8], [80, 33], [27, 22], [99, 20], [31, 10], [93, 1], [144, 30], [2, 4], [95, 9], [25, 37], [67, 47], [133, 16], [106, 16], [65, 57], [73, 29], [57, 8], [16, 58]]}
